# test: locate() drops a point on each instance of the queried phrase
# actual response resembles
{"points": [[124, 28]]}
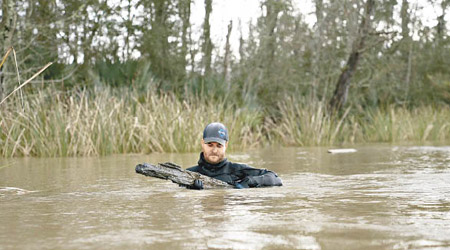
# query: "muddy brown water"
{"points": [[380, 197]]}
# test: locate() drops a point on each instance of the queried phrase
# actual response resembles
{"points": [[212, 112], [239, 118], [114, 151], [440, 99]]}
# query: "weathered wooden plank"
{"points": [[173, 172], [341, 150]]}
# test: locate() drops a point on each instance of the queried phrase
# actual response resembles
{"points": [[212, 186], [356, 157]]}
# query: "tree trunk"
{"points": [[158, 45], [317, 58], [207, 44], [192, 53], [173, 172], [271, 20], [406, 39], [441, 25], [405, 19], [241, 45], [185, 14], [227, 55], [128, 26], [268, 88], [341, 92], [6, 32]]}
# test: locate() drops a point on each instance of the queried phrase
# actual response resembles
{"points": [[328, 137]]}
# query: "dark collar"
{"points": [[204, 164]]}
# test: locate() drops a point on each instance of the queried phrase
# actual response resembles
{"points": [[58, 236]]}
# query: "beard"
{"points": [[213, 158]]}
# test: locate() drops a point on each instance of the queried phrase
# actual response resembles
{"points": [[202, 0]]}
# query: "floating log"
{"points": [[341, 150], [173, 172]]}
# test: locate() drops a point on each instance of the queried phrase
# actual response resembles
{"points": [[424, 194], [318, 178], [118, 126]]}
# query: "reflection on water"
{"points": [[381, 197]]}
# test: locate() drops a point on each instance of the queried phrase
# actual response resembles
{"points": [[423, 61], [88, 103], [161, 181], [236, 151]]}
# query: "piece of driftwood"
{"points": [[341, 150], [173, 172]]}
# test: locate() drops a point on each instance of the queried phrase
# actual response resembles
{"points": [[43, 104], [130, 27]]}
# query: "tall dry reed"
{"points": [[108, 121], [104, 121], [396, 124], [309, 124]]}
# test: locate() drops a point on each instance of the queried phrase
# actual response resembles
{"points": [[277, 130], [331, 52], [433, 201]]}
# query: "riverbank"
{"points": [[103, 121]]}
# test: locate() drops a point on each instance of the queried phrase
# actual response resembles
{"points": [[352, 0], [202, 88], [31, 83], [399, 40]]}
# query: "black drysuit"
{"points": [[235, 173]]}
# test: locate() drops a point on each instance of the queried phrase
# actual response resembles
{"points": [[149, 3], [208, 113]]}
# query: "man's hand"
{"points": [[198, 184], [247, 182]]}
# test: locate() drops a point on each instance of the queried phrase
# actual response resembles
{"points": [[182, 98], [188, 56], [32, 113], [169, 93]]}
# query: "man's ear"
{"points": [[202, 145]]}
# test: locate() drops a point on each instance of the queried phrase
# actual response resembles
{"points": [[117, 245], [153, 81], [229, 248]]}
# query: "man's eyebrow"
{"points": [[212, 143]]}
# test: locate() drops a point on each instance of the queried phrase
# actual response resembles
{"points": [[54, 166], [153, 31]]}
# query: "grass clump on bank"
{"points": [[106, 121], [422, 124], [309, 124]]}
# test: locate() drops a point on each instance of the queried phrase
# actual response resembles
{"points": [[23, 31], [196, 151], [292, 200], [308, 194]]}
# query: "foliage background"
{"points": [[279, 81]]}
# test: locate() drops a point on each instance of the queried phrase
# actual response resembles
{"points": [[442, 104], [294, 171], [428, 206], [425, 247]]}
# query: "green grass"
{"points": [[104, 121]]}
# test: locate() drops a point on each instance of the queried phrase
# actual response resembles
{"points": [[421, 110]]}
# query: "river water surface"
{"points": [[380, 197]]}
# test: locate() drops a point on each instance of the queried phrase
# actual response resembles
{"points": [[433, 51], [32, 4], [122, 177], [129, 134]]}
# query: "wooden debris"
{"points": [[173, 172], [341, 150]]}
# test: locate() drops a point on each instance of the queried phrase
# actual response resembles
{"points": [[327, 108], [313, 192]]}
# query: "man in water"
{"points": [[214, 164]]}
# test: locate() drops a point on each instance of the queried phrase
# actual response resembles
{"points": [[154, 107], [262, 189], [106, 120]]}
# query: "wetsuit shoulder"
{"points": [[239, 166]]}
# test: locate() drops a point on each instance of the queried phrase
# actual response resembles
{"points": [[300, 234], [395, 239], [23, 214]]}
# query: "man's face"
{"points": [[213, 152]]}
